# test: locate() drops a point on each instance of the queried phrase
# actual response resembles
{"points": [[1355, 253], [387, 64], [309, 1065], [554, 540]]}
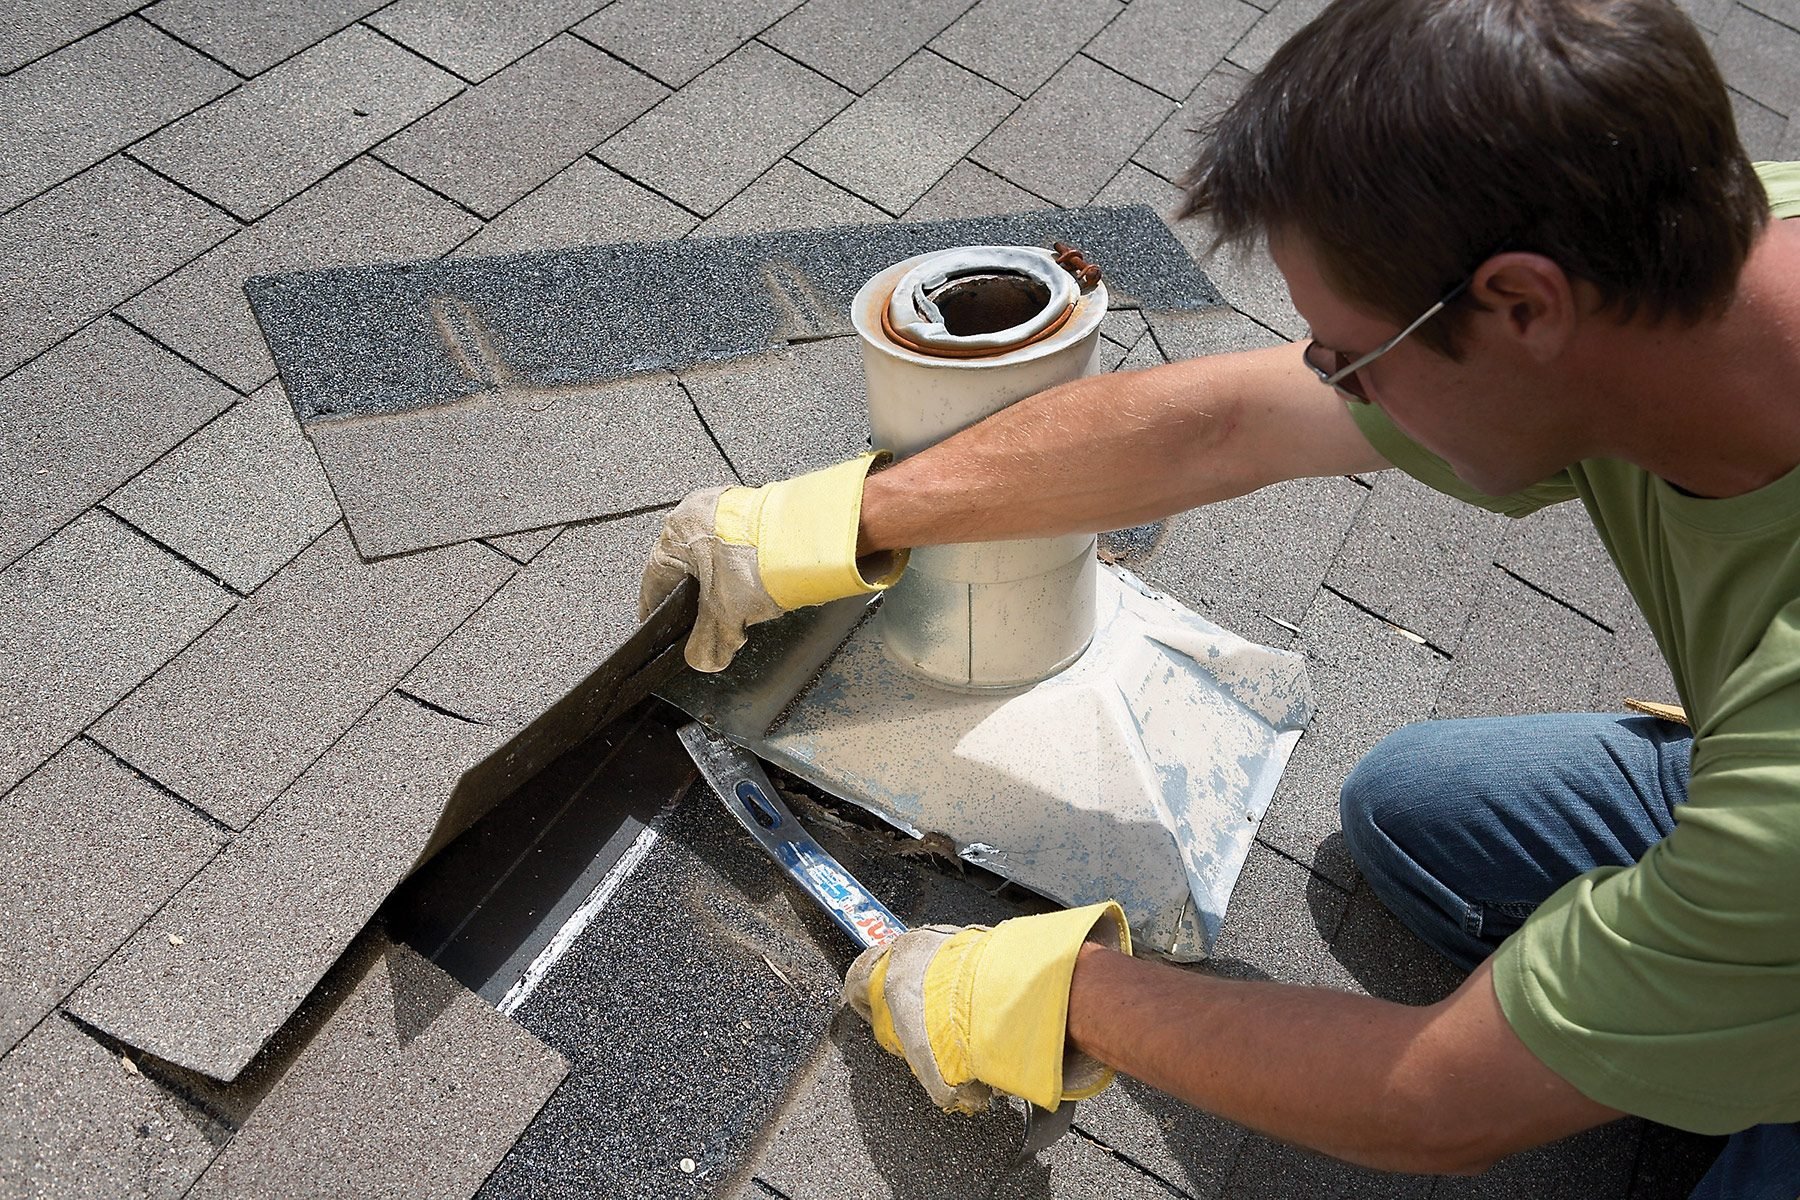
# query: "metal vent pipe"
{"points": [[949, 338]]}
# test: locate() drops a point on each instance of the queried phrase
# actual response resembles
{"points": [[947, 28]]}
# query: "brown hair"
{"points": [[1408, 140]]}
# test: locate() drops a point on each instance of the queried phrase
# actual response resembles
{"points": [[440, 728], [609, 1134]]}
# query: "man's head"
{"points": [[1405, 142]]}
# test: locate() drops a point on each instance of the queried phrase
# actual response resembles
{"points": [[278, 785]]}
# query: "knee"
{"points": [[1387, 792]]}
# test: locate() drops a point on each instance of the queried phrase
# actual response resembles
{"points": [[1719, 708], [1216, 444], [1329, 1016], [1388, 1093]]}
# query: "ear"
{"points": [[1530, 300]]}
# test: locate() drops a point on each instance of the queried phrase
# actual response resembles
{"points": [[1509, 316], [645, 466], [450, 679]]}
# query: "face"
{"points": [[1488, 415]]}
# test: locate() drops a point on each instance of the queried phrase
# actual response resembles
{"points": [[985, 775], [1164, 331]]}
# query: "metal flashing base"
{"points": [[1139, 773]]}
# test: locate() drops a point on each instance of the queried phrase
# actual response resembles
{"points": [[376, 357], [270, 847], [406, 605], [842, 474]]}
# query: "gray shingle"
{"points": [[523, 547], [546, 630], [1639, 669], [1707, 14], [293, 125], [75, 1123], [363, 213], [260, 925], [1787, 12], [476, 39], [587, 204], [1757, 57], [1565, 664], [1419, 558], [242, 713], [786, 412], [84, 618], [1760, 129], [856, 42], [1282, 22], [1368, 680], [1279, 924], [1072, 136], [240, 498], [1188, 1148], [675, 40], [1383, 958], [1020, 43], [514, 461], [83, 419], [1267, 1170], [703, 144], [74, 252], [889, 148], [789, 197], [499, 140], [412, 1086], [1557, 549], [1212, 331], [35, 27], [87, 852], [971, 190], [250, 37], [1593, 1165], [71, 109], [1171, 45], [1172, 148]]}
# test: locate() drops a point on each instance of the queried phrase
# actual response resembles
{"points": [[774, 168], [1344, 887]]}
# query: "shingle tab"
{"points": [[1020, 43], [243, 712], [35, 27], [906, 132], [296, 123], [74, 252], [675, 40], [83, 419], [703, 144], [1281, 23], [1170, 45], [1073, 135], [75, 1123], [265, 920], [856, 42], [1757, 56], [412, 1086], [88, 851], [1188, 1148], [504, 463], [476, 39], [251, 38], [84, 618], [240, 498], [523, 547], [1171, 150], [786, 412], [788, 197], [1557, 549], [586, 204], [971, 190], [363, 213], [70, 110], [499, 140], [1564, 665]]}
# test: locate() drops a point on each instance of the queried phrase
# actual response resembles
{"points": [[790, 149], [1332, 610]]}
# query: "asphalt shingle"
{"points": [[84, 619], [1562, 664], [789, 197], [71, 109], [240, 498], [585, 204], [1760, 129], [80, 248], [856, 42], [1558, 550], [1268, 1170], [523, 547], [1757, 56], [1171, 150], [1171, 45], [476, 39], [1280, 924], [971, 190], [292, 125], [1019, 44], [235, 719], [675, 40], [786, 412], [499, 140], [411, 1086], [363, 213], [76, 1123], [703, 144], [252, 37], [84, 418], [1283, 21], [1593, 1165], [515, 461], [263, 922], [1189, 1149], [1072, 136], [892, 144], [35, 27], [87, 852]]}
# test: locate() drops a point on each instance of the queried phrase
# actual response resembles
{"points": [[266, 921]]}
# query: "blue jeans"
{"points": [[1462, 828]]}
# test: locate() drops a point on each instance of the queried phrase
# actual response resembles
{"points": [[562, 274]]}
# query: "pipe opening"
{"points": [[988, 302]]}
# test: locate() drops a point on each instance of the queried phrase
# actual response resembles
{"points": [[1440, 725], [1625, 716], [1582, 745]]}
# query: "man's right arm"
{"points": [[1111, 451]]}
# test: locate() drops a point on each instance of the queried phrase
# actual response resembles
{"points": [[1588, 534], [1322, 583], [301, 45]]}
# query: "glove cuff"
{"points": [[1017, 1003], [806, 532]]}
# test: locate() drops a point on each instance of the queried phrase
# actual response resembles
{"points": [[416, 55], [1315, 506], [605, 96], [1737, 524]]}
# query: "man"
{"points": [[1537, 267]]}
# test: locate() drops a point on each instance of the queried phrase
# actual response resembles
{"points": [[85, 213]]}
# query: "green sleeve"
{"points": [[1782, 182], [1435, 473]]}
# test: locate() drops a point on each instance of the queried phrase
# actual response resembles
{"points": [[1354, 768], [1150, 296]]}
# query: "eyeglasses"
{"points": [[1341, 374]]}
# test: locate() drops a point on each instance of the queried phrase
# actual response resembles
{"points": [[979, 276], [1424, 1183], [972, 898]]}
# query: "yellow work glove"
{"points": [[759, 552], [974, 1009]]}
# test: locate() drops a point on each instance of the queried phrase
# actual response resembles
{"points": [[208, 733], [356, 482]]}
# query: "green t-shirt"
{"points": [[1671, 989]]}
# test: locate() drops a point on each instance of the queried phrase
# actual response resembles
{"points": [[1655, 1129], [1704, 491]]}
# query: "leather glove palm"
{"points": [[975, 1009], [759, 552]]}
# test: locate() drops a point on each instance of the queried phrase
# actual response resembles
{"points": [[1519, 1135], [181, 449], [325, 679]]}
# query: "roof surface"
{"points": [[222, 719]]}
